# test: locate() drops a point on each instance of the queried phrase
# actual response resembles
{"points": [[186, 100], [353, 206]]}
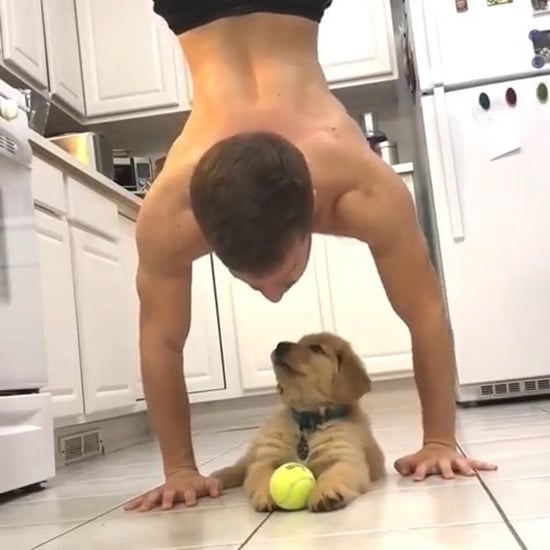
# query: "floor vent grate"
{"points": [[80, 446], [501, 389]]}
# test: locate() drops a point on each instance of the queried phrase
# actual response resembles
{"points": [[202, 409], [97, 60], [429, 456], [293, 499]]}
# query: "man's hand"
{"points": [[184, 487], [436, 458]]}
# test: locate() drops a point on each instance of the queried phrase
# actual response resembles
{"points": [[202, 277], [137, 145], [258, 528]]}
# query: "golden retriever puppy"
{"points": [[320, 380]]}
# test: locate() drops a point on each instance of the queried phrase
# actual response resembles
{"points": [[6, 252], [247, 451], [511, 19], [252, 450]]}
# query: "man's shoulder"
{"points": [[167, 231]]}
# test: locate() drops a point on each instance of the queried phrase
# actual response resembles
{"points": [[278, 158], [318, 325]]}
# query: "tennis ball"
{"points": [[290, 486]]}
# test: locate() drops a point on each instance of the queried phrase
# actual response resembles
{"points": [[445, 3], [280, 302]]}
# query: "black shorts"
{"points": [[184, 15]]}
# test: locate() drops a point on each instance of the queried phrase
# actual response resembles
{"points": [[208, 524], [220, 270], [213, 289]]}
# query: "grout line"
{"points": [[255, 530], [497, 505]]}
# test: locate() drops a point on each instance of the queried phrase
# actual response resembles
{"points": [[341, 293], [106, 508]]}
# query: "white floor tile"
{"points": [[523, 498], [24, 538], [57, 511], [94, 488], [415, 508], [472, 537], [163, 530], [534, 533]]}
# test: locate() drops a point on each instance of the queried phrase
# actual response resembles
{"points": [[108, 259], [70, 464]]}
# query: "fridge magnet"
{"points": [[498, 2], [461, 5], [541, 48]]}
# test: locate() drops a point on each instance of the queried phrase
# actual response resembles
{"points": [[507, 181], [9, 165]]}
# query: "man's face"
{"points": [[274, 285]]}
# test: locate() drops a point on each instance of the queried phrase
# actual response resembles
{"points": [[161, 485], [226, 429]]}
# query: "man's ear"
{"points": [[352, 380]]}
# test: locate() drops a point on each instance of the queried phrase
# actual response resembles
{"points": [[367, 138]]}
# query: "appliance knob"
{"points": [[9, 109]]}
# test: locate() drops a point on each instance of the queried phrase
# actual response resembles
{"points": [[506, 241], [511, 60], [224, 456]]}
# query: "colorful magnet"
{"points": [[511, 97], [542, 92], [461, 5], [498, 2], [484, 101]]}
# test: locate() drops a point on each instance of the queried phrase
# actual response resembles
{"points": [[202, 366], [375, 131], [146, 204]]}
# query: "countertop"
{"points": [[50, 151]]}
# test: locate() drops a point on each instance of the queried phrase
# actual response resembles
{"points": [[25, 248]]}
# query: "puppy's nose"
{"points": [[282, 348]]}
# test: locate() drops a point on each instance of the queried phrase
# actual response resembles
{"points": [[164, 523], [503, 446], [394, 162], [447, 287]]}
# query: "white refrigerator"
{"points": [[483, 137]]}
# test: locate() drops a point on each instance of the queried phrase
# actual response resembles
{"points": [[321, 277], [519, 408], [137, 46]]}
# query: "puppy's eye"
{"points": [[316, 348]]}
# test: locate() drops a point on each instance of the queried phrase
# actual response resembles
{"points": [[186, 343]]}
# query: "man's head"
{"points": [[252, 197]]}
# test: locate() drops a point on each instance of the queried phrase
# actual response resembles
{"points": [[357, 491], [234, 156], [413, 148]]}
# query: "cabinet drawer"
{"points": [[87, 207], [47, 186]]}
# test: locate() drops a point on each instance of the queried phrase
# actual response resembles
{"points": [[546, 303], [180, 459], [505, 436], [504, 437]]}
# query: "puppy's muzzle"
{"points": [[279, 354]]}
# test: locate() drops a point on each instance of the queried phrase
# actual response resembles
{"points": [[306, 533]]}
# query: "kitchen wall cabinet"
{"points": [[63, 51], [128, 57], [22, 38], [63, 360], [103, 317], [356, 42]]}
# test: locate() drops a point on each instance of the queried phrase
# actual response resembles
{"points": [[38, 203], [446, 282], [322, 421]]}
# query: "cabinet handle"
{"points": [[447, 160]]}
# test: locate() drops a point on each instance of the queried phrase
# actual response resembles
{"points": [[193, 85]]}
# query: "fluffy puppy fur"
{"points": [[314, 375]]}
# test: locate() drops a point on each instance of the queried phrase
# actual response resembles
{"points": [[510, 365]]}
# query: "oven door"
{"points": [[22, 345]]}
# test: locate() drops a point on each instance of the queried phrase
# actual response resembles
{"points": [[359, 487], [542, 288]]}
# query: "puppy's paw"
{"points": [[327, 497], [261, 501]]}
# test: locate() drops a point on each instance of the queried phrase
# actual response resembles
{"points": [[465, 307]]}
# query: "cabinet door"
{"points": [[129, 256], [63, 53], [252, 326], [22, 35], [63, 359], [202, 356], [106, 355], [356, 41], [128, 57], [361, 310]]}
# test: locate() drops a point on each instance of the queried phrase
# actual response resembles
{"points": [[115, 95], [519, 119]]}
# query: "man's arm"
{"points": [[382, 214], [164, 326], [167, 243]]}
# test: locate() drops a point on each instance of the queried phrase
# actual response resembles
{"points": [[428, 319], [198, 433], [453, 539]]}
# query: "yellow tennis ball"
{"points": [[290, 486]]}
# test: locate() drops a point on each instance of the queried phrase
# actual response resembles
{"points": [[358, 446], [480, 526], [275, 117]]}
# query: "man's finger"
{"points": [[150, 501], [168, 499], [421, 471], [463, 466], [190, 497], [446, 469], [403, 466], [214, 487], [134, 503], [478, 465]]}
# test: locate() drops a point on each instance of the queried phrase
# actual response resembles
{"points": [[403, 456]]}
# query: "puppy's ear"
{"points": [[352, 380]]}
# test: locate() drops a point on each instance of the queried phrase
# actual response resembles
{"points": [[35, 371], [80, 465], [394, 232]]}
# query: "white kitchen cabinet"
{"points": [[63, 50], [106, 353], [202, 358], [128, 57], [129, 255], [22, 39], [356, 42], [251, 326], [60, 325], [361, 310]]}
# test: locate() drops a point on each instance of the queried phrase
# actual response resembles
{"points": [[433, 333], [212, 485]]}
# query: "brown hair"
{"points": [[252, 196]]}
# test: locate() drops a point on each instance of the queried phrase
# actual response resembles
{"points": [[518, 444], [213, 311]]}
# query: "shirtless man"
{"points": [[267, 157]]}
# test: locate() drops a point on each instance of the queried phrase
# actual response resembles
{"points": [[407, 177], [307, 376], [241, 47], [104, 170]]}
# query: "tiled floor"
{"points": [[508, 509]]}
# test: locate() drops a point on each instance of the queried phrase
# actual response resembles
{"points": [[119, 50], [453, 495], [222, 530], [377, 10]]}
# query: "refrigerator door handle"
{"points": [[432, 41], [447, 160]]}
